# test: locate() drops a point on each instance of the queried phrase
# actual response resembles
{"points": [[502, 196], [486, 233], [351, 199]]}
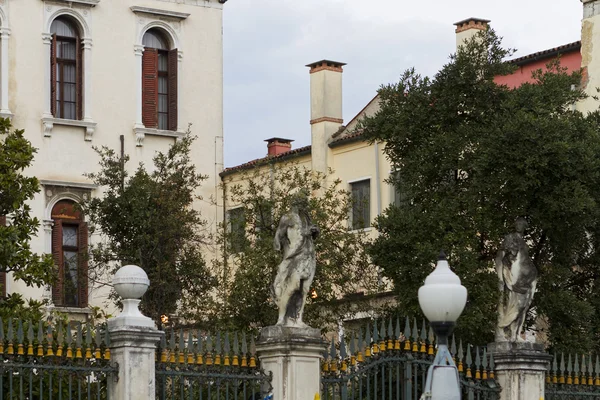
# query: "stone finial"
{"points": [[131, 282]]}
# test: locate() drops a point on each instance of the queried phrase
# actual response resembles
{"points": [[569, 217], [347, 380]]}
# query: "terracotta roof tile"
{"points": [[547, 53], [261, 161]]}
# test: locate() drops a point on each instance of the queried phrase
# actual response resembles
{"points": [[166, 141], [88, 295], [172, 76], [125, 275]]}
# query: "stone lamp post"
{"points": [[442, 299], [133, 339]]}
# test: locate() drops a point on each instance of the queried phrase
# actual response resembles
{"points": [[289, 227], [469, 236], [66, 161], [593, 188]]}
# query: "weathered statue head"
{"points": [[521, 225], [300, 200]]}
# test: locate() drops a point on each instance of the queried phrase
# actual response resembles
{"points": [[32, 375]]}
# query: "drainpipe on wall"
{"points": [[378, 197]]}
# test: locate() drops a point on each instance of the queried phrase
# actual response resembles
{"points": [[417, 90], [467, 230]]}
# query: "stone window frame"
{"points": [[80, 12], [169, 22]]}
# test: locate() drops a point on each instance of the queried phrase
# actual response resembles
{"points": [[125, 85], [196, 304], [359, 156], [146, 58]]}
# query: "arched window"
{"points": [[66, 70], [159, 82], [69, 250]]}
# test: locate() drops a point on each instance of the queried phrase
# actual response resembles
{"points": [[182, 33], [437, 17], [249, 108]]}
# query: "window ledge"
{"points": [[141, 132], [368, 229], [72, 310], [160, 13], [49, 122], [6, 114]]}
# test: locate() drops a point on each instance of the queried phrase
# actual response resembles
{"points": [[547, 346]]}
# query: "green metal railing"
{"points": [[576, 379], [43, 361], [193, 365], [384, 363]]}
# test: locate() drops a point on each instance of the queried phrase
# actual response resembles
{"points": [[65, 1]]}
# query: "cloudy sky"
{"points": [[268, 42]]}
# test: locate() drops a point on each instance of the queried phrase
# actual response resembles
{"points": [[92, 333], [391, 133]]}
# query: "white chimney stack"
{"points": [[468, 28], [325, 108]]}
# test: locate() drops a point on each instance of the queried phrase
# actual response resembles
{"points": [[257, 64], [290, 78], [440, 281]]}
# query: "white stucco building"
{"points": [[81, 73]]}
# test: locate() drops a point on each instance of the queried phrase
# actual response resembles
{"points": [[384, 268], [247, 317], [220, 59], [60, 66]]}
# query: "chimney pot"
{"points": [[467, 28], [472, 23], [276, 146]]}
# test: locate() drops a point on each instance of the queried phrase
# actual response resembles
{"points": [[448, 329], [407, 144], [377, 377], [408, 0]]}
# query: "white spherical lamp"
{"points": [[442, 298]]}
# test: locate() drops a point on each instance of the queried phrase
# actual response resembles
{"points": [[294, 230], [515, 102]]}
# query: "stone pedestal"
{"points": [[133, 348], [293, 356], [520, 369]]}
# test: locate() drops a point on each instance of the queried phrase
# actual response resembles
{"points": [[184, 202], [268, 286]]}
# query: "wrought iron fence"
{"points": [[382, 362], [64, 361], [573, 380], [205, 367]]}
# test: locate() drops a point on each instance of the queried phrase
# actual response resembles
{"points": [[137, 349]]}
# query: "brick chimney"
{"points": [[468, 28], [276, 146], [325, 108]]}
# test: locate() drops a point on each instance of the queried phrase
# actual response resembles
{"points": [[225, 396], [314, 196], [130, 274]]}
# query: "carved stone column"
{"points": [[4, 36], [520, 369], [293, 356], [47, 39]]}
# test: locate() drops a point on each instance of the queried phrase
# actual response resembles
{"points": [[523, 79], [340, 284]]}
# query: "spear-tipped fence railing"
{"points": [[193, 365], [573, 377], [384, 362], [39, 360]]}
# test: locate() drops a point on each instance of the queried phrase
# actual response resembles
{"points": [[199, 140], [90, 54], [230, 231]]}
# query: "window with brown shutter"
{"points": [[69, 250], [159, 82], [66, 70]]}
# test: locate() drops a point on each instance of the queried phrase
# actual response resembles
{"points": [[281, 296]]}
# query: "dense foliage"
{"points": [[249, 264], [16, 190], [148, 219], [471, 157]]}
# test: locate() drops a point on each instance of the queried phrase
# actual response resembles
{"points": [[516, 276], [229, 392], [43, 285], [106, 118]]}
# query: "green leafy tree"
{"points": [[148, 219], [250, 263], [16, 190], [471, 157]]}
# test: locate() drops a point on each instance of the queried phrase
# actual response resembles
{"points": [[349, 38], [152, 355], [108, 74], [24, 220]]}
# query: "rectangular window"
{"points": [[361, 204], [236, 224], [70, 251]]}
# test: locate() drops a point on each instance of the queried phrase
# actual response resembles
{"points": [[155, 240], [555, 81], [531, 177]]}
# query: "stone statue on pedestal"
{"points": [[295, 237], [517, 281]]}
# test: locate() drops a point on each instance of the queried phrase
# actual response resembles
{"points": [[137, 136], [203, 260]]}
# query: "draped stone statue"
{"points": [[294, 237], [517, 281]]}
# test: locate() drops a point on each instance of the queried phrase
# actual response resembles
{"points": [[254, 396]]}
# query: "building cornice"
{"points": [[160, 13], [90, 3], [78, 185]]}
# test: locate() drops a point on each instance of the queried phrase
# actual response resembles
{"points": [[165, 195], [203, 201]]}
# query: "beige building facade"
{"points": [[126, 74]]}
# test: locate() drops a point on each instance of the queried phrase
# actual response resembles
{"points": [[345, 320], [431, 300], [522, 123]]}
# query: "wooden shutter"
{"points": [[3, 274], [82, 268], [79, 79], [172, 74], [53, 46], [150, 88], [57, 255]]}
